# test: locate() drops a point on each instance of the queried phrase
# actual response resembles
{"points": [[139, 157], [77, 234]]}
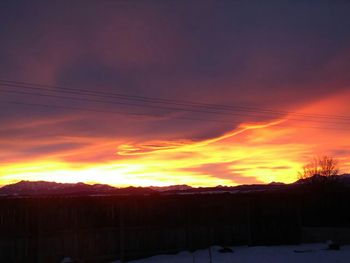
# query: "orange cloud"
{"points": [[250, 153]]}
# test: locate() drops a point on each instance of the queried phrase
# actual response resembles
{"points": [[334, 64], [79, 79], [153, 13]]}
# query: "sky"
{"points": [[196, 92]]}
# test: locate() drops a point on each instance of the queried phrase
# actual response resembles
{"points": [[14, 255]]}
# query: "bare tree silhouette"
{"points": [[324, 167]]}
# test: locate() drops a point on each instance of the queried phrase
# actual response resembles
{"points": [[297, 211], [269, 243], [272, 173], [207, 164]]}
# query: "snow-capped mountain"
{"points": [[24, 188]]}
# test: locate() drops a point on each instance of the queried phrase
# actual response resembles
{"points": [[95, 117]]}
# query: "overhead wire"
{"points": [[152, 115], [342, 120], [166, 100]]}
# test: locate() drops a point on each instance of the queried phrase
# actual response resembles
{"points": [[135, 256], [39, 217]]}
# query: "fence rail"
{"points": [[99, 229]]}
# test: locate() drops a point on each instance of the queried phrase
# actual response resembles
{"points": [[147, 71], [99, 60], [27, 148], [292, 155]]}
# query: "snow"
{"points": [[261, 254]]}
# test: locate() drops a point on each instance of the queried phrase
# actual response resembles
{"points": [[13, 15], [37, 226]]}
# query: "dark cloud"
{"points": [[273, 167], [340, 152], [52, 148], [263, 54], [224, 171]]}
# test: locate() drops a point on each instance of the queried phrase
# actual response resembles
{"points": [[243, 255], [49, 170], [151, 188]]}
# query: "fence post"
{"points": [[121, 231]]}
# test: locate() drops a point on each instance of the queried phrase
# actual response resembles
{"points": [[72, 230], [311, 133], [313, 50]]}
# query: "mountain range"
{"points": [[43, 188]]}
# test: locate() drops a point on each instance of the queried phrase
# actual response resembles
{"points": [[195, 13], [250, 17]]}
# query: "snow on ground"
{"points": [[260, 254]]}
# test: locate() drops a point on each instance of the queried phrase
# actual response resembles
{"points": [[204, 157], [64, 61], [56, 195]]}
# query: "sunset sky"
{"points": [[145, 93]]}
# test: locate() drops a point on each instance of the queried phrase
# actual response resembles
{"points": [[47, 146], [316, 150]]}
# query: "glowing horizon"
{"points": [[250, 153]]}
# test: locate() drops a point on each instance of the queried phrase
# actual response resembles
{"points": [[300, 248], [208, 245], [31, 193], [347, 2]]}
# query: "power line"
{"points": [[132, 99], [163, 107], [167, 101], [120, 103], [111, 112], [74, 92], [153, 115]]}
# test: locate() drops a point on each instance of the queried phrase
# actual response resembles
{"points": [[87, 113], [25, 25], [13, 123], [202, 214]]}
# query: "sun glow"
{"points": [[165, 164], [250, 153], [122, 175]]}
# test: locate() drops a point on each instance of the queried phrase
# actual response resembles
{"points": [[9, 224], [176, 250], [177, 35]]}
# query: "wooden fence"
{"points": [[105, 228]]}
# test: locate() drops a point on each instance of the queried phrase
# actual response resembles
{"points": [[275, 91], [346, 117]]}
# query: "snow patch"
{"points": [[303, 253]]}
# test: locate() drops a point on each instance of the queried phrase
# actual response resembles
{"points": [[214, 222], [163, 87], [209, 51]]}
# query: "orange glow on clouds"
{"points": [[251, 153]]}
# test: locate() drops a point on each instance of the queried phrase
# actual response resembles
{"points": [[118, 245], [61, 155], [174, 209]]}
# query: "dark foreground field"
{"points": [[105, 228]]}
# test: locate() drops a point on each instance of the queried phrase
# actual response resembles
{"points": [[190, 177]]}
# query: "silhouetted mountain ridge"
{"points": [[342, 179], [24, 188], [37, 188]]}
